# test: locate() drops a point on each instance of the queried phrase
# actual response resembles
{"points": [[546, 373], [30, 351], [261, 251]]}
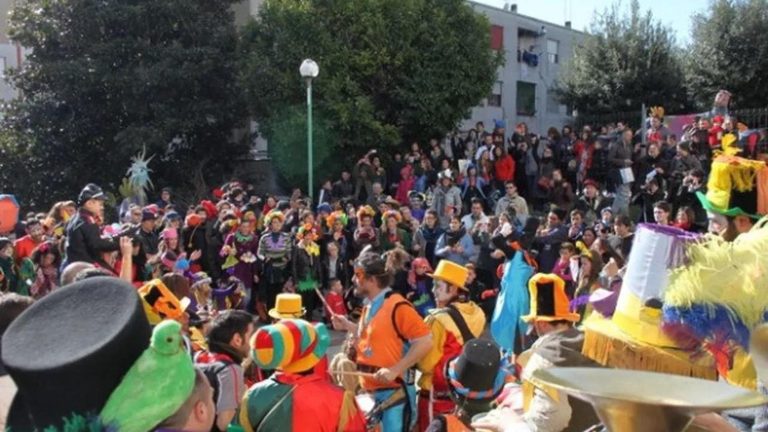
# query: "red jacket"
{"points": [[505, 168], [336, 303]]}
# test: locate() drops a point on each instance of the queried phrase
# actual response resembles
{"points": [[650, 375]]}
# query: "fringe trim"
{"points": [[621, 354]]}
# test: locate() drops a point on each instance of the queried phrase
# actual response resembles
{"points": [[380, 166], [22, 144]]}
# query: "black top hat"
{"points": [[70, 350], [89, 192], [478, 374]]}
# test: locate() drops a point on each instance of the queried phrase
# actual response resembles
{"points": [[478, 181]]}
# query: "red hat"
{"points": [[718, 119], [210, 209], [193, 220], [591, 182]]}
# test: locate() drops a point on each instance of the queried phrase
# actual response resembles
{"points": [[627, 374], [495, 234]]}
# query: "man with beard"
{"points": [[401, 339], [228, 346]]}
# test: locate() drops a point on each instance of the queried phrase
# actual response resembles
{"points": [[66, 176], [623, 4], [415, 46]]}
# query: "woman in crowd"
{"points": [[427, 236], [275, 253], [455, 244], [391, 235]]}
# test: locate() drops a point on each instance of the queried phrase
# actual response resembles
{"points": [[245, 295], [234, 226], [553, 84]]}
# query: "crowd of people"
{"points": [[409, 254]]}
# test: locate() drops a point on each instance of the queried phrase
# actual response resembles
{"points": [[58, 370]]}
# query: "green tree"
{"points": [[626, 59], [390, 70], [729, 50], [106, 78]]}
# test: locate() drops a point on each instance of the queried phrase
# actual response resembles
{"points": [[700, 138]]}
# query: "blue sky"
{"points": [[674, 13]]}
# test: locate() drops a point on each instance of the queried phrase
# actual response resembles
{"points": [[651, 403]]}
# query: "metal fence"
{"points": [[754, 118]]}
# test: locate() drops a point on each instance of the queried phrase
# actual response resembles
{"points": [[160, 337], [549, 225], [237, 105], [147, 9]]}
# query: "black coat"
{"points": [[305, 265], [84, 241]]}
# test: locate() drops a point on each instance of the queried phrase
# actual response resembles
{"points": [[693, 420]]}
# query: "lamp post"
{"points": [[309, 70]]}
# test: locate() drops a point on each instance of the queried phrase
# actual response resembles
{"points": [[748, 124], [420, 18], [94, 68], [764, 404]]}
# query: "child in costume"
{"points": [[335, 299], [47, 259], [295, 398], [421, 286]]}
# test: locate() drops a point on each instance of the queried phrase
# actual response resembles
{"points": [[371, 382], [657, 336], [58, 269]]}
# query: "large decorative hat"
{"points": [[307, 231], [160, 303], [451, 273], [657, 111], [287, 306], [633, 338], [84, 343], [274, 214], [549, 302], [200, 278], [339, 216], [736, 187], [719, 297], [291, 345], [391, 214], [364, 211], [479, 373]]}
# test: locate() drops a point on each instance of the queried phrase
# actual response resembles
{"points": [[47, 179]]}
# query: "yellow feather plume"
{"points": [[733, 275]]}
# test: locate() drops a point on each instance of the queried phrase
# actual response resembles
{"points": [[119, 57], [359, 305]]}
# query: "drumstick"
{"points": [[354, 373], [325, 303]]}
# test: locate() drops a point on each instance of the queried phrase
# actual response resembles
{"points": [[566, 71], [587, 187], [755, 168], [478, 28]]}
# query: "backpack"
{"points": [[211, 372]]}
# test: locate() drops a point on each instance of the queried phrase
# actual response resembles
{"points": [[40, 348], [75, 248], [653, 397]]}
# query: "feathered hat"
{"points": [[364, 211], [391, 214], [657, 111], [339, 216], [307, 231], [717, 299], [274, 214]]}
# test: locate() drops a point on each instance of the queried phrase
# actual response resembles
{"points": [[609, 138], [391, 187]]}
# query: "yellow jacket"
{"points": [[444, 334]]}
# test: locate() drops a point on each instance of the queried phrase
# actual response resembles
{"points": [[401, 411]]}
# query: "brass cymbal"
{"points": [[635, 401]]}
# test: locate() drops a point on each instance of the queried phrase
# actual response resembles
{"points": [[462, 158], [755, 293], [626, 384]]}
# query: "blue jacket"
{"points": [[442, 250]]}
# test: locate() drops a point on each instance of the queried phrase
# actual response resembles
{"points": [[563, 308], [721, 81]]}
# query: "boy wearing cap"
{"points": [[295, 398], [84, 242], [456, 321]]}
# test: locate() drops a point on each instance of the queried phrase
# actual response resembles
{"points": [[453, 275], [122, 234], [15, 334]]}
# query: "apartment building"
{"points": [[535, 52]]}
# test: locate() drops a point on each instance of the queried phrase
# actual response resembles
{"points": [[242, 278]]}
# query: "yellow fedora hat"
{"points": [[451, 273], [287, 306]]}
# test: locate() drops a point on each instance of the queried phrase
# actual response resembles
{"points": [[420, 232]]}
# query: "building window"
{"points": [[3, 65], [553, 47], [497, 38], [526, 98], [494, 99]]}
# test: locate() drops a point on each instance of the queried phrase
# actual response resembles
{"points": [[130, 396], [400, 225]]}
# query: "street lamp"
{"points": [[309, 70]]}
